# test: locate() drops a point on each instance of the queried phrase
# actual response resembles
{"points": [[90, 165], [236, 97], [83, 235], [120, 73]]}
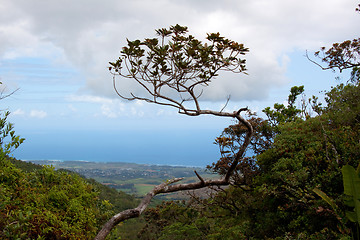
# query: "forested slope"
{"points": [[273, 196], [38, 202]]}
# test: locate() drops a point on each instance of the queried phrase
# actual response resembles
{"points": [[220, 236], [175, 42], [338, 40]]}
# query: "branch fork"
{"points": [[180, 66]]}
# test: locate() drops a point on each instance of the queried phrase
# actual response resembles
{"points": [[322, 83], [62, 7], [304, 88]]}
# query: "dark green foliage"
{"points": [[274, 197], [351, 180], [291, 169], [48, 204], [345, 99], [58, 204], [118, 199], [308, 154], [25, 166], [281, 114], [173, 220]]}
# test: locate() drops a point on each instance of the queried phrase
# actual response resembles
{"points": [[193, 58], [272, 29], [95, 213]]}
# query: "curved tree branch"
{"points": [[180, 63], [169, 186]]}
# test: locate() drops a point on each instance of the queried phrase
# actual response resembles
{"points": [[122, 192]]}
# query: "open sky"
{"points": [[56, 54]]}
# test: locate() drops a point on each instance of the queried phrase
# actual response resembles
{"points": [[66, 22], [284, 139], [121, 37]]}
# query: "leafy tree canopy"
{"points": [[173, 68]]}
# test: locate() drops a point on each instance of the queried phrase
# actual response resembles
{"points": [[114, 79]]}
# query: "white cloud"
{"points": [[38, 114], [72, 108], [107, 111], [91, 33], [89, 99], [18, 112], [136, 112], [111, 108]]}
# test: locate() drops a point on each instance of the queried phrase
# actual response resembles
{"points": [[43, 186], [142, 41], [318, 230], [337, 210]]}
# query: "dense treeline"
{"points": [[38, 202], [48, 204], [273, 196]]}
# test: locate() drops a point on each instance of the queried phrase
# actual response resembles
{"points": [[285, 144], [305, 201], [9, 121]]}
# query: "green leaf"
{"points": [[325, 197], [350, 179], [351, 182], [352, 216]]}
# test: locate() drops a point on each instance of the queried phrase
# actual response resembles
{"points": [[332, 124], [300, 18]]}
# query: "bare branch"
{"points": [[167, 187], [132, 213], [227, 101], [3, 90], [162, 188], [317, 64]]}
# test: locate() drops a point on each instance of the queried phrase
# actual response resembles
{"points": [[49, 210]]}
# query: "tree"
{"points": [[264, 133], [172, 70]]}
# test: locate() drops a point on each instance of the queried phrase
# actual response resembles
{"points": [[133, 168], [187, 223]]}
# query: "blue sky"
{"points": [[56, 54]]}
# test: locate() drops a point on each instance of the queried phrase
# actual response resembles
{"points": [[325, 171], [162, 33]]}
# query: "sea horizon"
{"points": [[168, 147], [106, 162]]}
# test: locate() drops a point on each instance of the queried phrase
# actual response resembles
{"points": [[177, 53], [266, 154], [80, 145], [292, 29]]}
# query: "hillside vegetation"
{"points": [[38, 202], [293, 188]]}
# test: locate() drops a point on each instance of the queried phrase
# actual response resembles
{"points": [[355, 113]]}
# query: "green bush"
{"points": [[48, 204]]}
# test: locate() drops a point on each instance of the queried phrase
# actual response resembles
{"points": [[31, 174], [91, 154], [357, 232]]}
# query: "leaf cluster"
{"points": [[342, 56], [9, 141], [281, 114], [176, 63]]}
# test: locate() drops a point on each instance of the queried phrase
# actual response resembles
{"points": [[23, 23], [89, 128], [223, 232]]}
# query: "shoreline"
{"points": [[49, 161]]}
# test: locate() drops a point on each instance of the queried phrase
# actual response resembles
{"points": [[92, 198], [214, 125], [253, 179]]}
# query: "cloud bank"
{"points": [[89, 34]]}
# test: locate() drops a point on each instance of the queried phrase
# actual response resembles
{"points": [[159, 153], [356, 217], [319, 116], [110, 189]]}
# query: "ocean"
{"points": [[170, 147]]}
